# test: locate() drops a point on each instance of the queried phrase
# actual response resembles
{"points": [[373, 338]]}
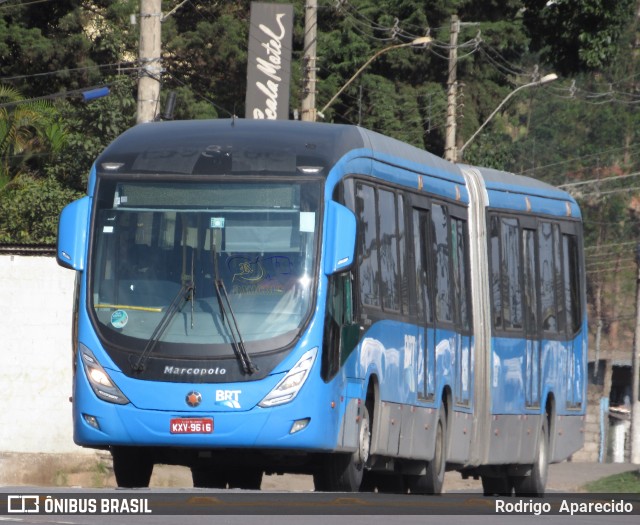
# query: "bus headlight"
{"points": [[287, 389], [99, 380]]}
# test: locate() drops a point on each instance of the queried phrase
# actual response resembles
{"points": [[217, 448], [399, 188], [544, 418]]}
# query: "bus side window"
{"points": [[511, 285], [340, 333], [460, 274], [529, 283], [495, 280], [388, 251], [506, 286], [571, 273], [440, 251], [547, 281], [368, 267]]}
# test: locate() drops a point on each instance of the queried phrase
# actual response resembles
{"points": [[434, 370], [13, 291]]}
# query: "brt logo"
{"points": [[228, 398]]}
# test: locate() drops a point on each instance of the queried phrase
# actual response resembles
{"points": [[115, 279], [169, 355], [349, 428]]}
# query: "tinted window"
{"points": [[402, 248], [547, 281], [461, 292], [530, 290], [509, 260], [420, 244], [368, 249], [440, 250], [388, 243], [572, 283], [496, 288]]}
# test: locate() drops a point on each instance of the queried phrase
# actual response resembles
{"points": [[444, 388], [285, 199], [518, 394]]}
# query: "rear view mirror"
{"points": [[340, 238], [72, 234]]}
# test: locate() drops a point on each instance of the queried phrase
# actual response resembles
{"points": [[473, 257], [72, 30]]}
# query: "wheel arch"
{"points": [[550, 415], [446, 400], [373, 403]]}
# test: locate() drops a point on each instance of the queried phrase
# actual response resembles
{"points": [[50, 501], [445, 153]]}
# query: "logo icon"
{"points": [[193, 398], [23, 504], [228, 398]]}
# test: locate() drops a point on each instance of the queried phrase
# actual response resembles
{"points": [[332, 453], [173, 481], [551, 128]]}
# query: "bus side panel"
{"points": [[513, 423], [567, 431], [403, 422], [568, 436], [513, 438], [521, 390]]}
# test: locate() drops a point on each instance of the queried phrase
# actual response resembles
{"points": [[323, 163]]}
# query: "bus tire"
{"points": [[535, 483], [132, 466], [344, 472], [432, 480]]}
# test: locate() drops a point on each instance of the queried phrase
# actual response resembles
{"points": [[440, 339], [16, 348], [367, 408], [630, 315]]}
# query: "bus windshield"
{"points": [[244, 248]]}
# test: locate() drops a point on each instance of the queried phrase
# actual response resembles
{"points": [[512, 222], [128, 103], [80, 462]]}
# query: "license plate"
{"points": [[191, 425]]}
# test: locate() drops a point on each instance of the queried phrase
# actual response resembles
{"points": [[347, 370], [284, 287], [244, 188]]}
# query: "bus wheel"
{"points": [[534, 484], [132, 466], [208, 478], [344, 472], [432, 480]]}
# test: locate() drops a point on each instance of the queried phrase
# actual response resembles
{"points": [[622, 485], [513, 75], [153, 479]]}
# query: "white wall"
{"points": [[36, 299]]}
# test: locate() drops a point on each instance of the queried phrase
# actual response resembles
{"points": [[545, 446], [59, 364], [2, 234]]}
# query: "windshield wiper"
{"points": [[186, 293], [232, 324]]}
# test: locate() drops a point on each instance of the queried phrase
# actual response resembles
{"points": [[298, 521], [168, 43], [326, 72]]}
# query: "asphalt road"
{"points": [[563, 477], [197, 506], [293, 502]]}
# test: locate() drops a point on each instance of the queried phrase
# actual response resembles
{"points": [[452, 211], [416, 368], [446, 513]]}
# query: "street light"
{"points": [[544, 80], [417, 42]]}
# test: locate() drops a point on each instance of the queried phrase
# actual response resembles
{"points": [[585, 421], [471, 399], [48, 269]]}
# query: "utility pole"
{"points": [[635, 371], [309, 110], [150, 60], [452, 91]]}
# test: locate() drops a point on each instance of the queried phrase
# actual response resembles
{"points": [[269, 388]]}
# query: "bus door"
{"points": [[424, 303], [531, 325]]}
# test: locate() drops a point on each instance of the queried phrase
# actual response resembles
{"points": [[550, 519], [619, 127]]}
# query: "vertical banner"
{"points": [[269, 63]]}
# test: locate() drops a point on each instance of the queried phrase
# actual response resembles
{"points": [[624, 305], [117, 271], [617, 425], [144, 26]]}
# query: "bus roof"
{"points": [[201, 147], [179, 146]]}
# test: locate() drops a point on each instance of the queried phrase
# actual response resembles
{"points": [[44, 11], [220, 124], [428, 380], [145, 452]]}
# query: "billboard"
{"points": [[269, 62]]}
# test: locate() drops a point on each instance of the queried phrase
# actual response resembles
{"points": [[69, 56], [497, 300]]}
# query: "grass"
{"points": [[627, 482], [100, 474]]}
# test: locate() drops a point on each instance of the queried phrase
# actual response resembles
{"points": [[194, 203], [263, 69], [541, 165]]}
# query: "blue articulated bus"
{"points": [[268, 297]]}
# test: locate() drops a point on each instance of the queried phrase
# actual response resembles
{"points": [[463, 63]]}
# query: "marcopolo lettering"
{"points": [[191, 371]]}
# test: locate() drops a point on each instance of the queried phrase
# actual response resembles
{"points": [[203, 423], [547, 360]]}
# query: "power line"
{"points": [[599, 181], [52, 96], [25, 4], [630, 149], [609, 192], [72, 70], [203, 97], [609, 270], [610, 245]]}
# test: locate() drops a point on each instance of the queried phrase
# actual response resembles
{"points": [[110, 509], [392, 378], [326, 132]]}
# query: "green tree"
{"points": [[577, 35], [91, 127], [30, 208], [31, 132]]}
